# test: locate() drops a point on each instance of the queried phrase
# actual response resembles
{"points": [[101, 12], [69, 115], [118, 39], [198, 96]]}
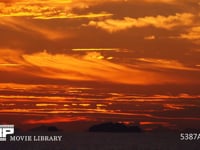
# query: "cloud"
{"points": [[166, 64], [52, 9], [89, 67], [75, 16], [172, 1], [10, 60], [163, 22], [93, 66], [192, 34], [56, 120], [25, 26], [152, 37], [97, 49], [162, 1], [48, 9]]}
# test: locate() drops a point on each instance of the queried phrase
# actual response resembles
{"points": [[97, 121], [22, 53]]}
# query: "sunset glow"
{"points": [[64, 61]]}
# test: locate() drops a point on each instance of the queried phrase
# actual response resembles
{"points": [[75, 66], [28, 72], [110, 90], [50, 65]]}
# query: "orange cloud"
{"points": [[168, 64], [11, 60], [75, 16], [91, 67], [51, 9], [169, 22], [152, 37], [25, 26], [193, 34], [98, 49], [56, 120], [160, 1], [48, 9], [174, 106]]}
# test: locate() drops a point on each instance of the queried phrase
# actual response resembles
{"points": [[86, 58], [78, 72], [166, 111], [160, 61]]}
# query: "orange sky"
{"points": [[147, 48]]}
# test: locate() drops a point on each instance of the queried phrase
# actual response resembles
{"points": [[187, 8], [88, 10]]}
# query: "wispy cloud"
{"points": [[92, 66], [75, 16], [152, 37], [89, 67], [163, 22], [97, 49], [57, 120], [24, 26], [166, 64], [192, 34], [48, 9]]}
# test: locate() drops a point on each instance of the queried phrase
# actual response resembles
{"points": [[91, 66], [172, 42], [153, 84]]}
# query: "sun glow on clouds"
{"points": [[87, 71], [9, 65], [48, 9], [170, 64], [193, 34], [163, 22], [57, 120], [75, 16], [152, 37], [92, 67], [11, 60], [25, 26], [162, 1], [96, 49]]}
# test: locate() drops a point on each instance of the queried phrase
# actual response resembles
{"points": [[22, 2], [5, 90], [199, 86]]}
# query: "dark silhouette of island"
{"points": [[44, 128], [114, 127]]}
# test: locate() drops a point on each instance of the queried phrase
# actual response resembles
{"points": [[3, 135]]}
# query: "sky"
{"points": [[74, 60]]}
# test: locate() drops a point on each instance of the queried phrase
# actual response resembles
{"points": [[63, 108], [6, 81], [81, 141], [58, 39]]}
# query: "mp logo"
{"points": [[6, 130]]}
